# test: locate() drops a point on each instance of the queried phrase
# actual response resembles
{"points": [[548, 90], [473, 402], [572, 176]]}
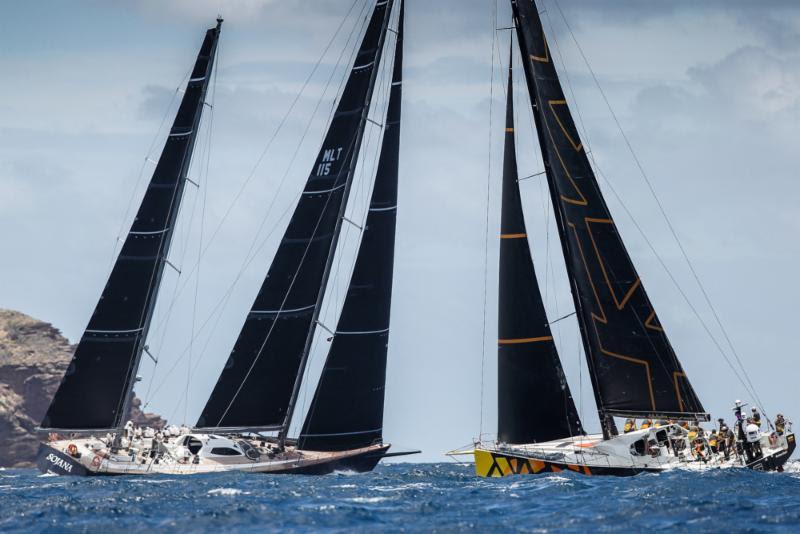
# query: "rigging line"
{"points": [[308, 125], [201, 237], [156, 277], [486, 221], [249, 258], [662, 210], [291, 284], [204, 151], [383, 95], [672, 355], [554, 39], [274, 136], [137, 183]]}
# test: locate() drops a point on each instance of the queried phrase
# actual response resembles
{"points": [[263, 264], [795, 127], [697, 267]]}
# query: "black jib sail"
{"points": [[255, 388], [634, 370], [97, 387], [533, 399], [347, 409]]}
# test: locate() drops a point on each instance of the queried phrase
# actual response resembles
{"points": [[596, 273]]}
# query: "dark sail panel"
{"points": [[96, 389], [634, 369], [533, 399], [347, 409], [255, 386]]}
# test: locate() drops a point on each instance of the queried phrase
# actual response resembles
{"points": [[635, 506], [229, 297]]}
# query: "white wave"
{"points": [[155, 481], [792, 467], [227, 492], [345, 486], [47, 475], [413, 485], [347, 473], [368, 500]]}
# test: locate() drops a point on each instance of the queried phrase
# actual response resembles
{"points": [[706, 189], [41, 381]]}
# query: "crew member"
{"points": [[756, 417], [647, 423], [725, 439], [713, 442], [753, 442], [780, 424], [699, 449], [630, 426]]}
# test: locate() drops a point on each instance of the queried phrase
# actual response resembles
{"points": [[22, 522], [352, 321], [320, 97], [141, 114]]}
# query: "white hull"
{"points": [[84, 457], [659, 449]]}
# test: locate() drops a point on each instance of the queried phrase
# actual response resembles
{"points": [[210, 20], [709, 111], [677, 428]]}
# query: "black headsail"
{"points": [[347, 409], [258, 383], [634, 370], [97, 388], [534, 402]]}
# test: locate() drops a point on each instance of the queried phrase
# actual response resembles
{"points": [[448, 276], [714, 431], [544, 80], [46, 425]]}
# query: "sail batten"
{"points": [[534, 400], [346, 411], [97, 387], [634, 369], [258, 382]]}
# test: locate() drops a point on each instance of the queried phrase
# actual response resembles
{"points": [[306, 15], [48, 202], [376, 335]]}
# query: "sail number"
{"points": [[329, 155]]}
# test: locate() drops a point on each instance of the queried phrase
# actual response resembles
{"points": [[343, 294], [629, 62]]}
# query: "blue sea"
{"points": [[403, 497]]}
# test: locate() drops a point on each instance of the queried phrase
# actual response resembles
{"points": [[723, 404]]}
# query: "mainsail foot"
{"points": [[654, 449]]}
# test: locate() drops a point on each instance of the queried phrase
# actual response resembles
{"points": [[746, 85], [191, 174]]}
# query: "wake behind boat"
{"points": [[258, 387], [634, 371]]}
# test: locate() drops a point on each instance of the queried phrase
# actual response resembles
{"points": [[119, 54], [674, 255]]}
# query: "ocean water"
{"points": [[413, 497]]}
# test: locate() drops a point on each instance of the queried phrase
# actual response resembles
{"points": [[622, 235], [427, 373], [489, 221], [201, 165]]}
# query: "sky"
{"points": [[708, 95]]}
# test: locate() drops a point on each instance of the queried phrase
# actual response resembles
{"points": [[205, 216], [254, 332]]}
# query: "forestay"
{"points": [[347, 409], [256, 385], [534, 403]]}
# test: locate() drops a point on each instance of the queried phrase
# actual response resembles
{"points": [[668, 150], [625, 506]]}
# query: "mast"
{"points": [[534, 401], [97, 388], [257, 389], [338, 229], [347, 409], [634, 370]]}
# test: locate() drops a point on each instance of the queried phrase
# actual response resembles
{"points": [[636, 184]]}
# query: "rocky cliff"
{"points": [[33, 358]]}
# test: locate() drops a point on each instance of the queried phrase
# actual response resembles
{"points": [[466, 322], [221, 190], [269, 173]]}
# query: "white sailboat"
{"points": [[635, 373], [258, 388]]}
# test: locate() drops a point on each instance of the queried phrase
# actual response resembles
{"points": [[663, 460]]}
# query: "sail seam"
{"points": [[345, 433], [273, 312], [154, 232], [517, 341], [361, 332], [323, 190], [114, 331]]}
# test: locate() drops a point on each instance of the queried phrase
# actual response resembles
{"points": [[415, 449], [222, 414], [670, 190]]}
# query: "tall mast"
{"points": [[338, 229], [534, 403], [97, 388], [347, 410], [635, 372], [258, 386]]}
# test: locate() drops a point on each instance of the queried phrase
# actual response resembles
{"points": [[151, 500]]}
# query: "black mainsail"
{"points": [[258, 386], [96, 390], [534, 403], [347, 409], [634, 370]]}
